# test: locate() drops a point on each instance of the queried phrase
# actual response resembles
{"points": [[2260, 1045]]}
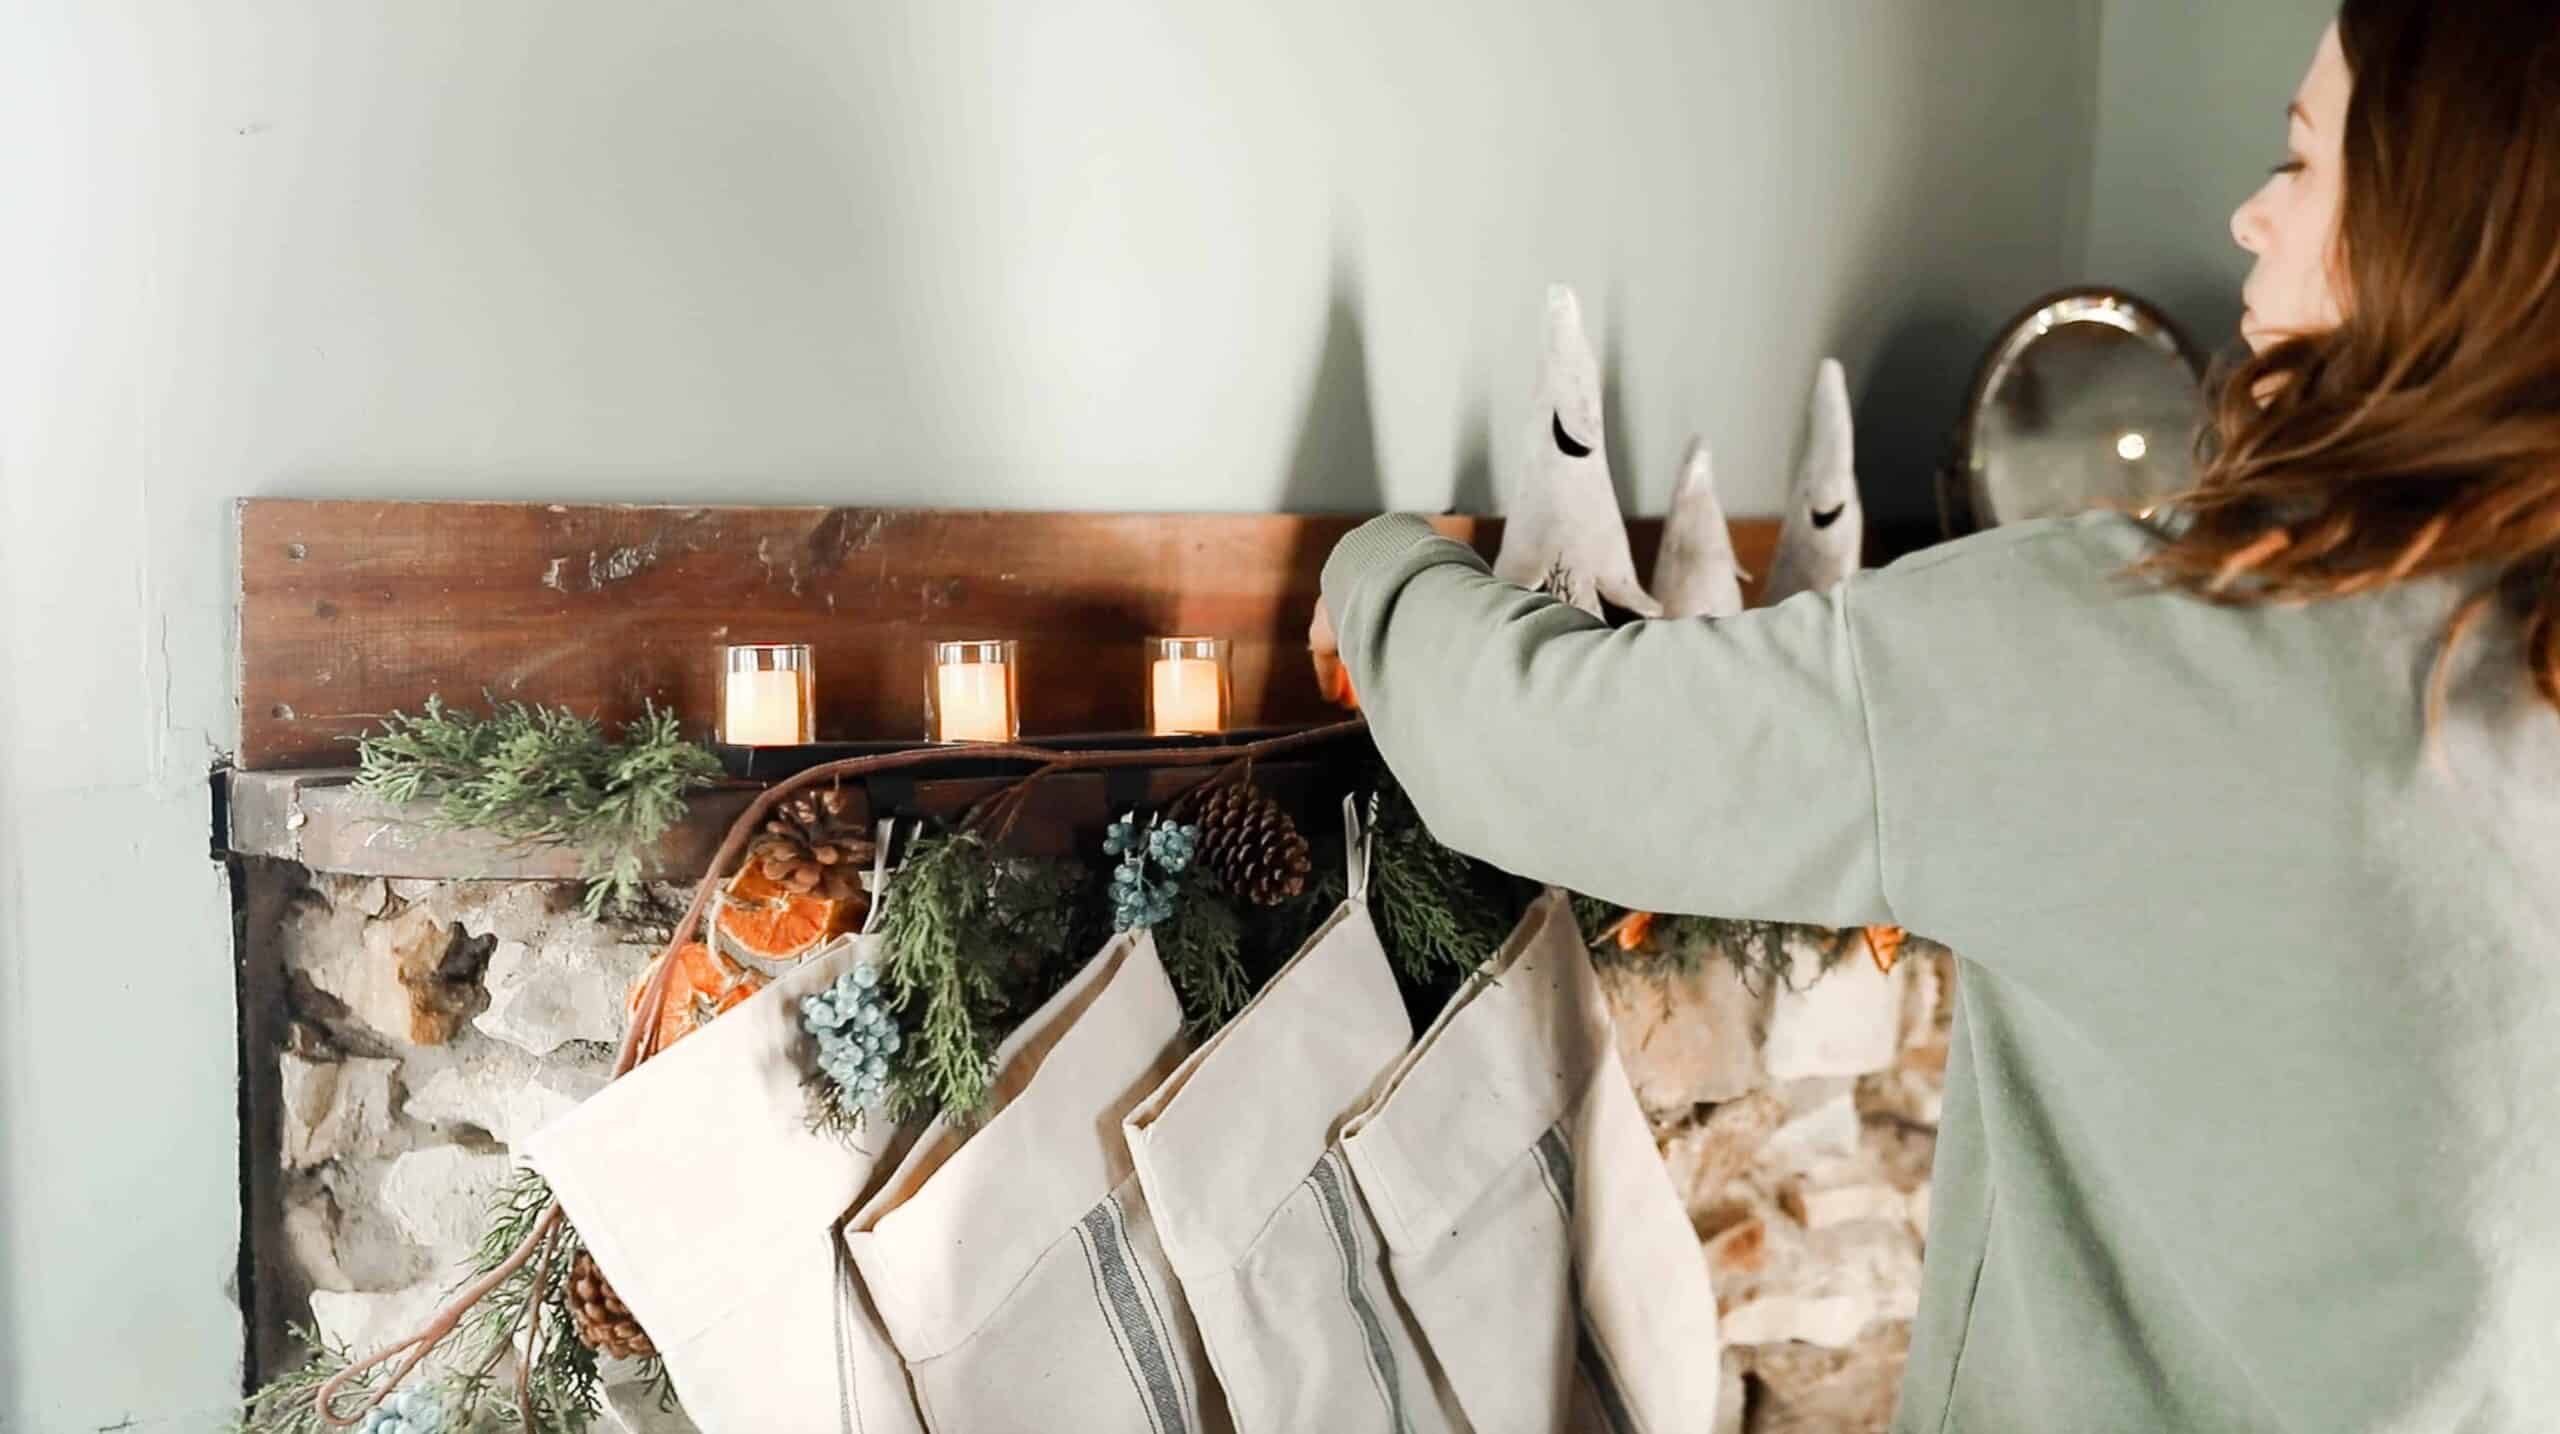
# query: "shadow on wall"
{"points": [[1912, 402], [2203, 303], [1334, 468], [1949, 250], [1471, 488], [1615, 427], [1907, 406]]}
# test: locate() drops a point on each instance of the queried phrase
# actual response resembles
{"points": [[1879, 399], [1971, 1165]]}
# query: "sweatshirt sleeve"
{"points": [[1716, 766]]}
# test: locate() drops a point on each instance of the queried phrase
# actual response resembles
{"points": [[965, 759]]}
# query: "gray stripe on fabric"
{"points": [[1143, 1341], [1327, 1180], [1555, 1163], [1102, 1311], [1155, 1306], [848, 1402], [1603, 1380]]}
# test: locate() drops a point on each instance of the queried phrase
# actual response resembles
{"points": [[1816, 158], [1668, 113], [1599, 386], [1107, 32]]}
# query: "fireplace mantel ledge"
{"points": [[317, 818]]}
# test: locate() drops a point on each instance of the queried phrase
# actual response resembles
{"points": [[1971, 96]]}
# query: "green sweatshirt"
{"points": [[2253, 1110]]}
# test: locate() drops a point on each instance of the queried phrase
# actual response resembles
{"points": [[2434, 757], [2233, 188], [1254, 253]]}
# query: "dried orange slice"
{"points": [[703, 986], [764, 922], [1634, 930]]}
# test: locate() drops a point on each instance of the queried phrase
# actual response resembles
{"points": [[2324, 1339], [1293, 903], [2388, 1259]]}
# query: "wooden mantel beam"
{"points": [[350, 610]]}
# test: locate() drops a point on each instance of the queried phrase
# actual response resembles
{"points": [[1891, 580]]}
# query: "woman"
{"points": [[2247, 827]]}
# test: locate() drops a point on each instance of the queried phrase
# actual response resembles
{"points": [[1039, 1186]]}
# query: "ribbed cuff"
{"points": [[1370, 548]]}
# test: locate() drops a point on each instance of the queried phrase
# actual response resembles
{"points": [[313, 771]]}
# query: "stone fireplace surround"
{"points": [[404, 1033]]}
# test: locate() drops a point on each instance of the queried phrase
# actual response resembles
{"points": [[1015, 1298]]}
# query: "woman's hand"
{"points": [[1325, 649]]}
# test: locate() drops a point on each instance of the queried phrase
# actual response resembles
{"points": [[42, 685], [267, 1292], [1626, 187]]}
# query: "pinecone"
{"points": [[603, 1323], [812, 844], [1251, 846]]}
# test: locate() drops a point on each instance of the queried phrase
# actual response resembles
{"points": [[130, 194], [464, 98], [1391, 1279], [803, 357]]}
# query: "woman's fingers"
{"points": [[1325, 649]]}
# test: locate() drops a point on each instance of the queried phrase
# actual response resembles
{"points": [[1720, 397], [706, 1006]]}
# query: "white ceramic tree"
{"points": [[1696, 574], [1564, 520], [1825, 527]]}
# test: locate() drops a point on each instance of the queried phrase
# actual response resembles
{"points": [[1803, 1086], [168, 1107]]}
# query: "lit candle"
{"points": [[1187, 688], [768, 695], [973, 692]]}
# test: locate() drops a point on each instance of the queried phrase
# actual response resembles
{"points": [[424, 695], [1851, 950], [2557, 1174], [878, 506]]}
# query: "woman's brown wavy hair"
{"points": [[2422, 435]]}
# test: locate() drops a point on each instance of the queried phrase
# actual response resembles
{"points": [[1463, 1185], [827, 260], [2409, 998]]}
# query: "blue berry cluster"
{"points": [[1143, 888], [409, 1411], [856, 1034]]}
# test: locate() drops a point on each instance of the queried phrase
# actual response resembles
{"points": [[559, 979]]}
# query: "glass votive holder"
{"points": [[768, 695], [1189, 690], [970, 694]]}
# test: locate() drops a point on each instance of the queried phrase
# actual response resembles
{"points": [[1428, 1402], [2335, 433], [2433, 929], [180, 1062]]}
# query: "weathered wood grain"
{"points": [[350, 610]]}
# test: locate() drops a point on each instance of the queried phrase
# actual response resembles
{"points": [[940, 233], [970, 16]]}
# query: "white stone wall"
{"points": [[431, 1026], [1799, 1124]]}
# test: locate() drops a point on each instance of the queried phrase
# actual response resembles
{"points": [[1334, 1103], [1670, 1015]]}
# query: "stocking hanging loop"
{"points": [[886, 833], [1355, 842]]}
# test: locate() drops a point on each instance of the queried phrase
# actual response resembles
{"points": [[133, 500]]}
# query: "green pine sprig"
{"points": [[565, 1378], [942, 975], [1043, 907], [544, 776], [1440, 913], [286, 1404], [1202, 947], [562, 1385], [827, 1114]]}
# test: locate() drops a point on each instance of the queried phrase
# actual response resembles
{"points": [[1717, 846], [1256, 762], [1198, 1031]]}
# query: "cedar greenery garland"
{"points": [[971, 938], [1202, 947], [562, 1383], [972, 942], [970, 935], [285, 1404], [1760, 951], [945, 965], [544, 776], [1440, 912]]}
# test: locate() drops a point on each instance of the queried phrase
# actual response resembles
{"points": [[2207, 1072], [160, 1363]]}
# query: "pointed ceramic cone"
{"points": [[1696, 574], [1564, 519], [1826, 527]]}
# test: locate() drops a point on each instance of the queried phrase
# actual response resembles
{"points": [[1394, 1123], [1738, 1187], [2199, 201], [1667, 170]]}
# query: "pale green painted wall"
{"points": [[1043, 253], [2192, 96]]}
